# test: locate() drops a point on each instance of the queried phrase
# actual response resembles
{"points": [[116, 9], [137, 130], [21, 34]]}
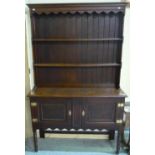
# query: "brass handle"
{"points": [[120, 105], [34, 120], [83, 113], [33, 104], [70, 113], [119, 121]]}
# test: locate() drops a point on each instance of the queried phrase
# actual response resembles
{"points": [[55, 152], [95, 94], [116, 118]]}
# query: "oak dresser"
{"points": [[77, 52]]}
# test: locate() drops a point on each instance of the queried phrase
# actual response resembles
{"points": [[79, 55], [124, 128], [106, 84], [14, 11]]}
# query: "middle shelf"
{"points": [[77, 65], [75, 39]]}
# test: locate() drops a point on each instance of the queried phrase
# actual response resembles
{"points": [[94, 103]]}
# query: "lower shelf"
{"points": [[78, 131]]}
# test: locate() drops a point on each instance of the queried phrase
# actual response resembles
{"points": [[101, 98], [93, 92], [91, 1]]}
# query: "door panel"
{"points": [[55, 113], [51, 111], [99, 113]]}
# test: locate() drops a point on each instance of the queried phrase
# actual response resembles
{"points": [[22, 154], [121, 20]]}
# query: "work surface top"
{"points": [[76, 92]]}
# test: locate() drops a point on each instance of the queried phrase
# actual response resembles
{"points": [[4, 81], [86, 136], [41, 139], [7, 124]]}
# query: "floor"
{"points": [[58, 144]]}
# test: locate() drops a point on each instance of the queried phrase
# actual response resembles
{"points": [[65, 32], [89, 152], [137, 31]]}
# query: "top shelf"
{"points": [[75, 39]]}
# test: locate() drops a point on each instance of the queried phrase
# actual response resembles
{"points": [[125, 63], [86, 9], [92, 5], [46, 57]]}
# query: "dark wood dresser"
{"points": [[77, 52]]}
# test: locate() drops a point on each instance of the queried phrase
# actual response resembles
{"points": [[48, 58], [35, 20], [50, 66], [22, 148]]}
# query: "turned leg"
{"points": [[42, 133], [118, 142], [35, 141], [111, 134]]}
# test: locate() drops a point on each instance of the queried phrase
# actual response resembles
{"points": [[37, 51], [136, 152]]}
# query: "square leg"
{"points": [[42, 133], [35, 141], [118, 141], [111, 134]]}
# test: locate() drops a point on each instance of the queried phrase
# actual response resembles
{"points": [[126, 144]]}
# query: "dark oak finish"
{"points": [[111, 134], [35, 141], [95, 116], [78, 65], [42, 133], [76, 39], [76, 92], [77, 52]]}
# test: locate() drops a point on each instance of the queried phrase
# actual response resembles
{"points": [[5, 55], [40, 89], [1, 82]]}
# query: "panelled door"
{"points": [[55, 113], [99, 113]]}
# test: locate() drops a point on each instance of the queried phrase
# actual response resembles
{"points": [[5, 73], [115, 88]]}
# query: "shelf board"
{"points": [[77, 65], [75, 39]]}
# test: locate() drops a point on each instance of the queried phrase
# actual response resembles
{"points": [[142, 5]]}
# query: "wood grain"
{"points": [[76, 92]]}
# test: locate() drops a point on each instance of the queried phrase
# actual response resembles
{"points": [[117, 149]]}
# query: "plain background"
{"points": [[12, 77]]}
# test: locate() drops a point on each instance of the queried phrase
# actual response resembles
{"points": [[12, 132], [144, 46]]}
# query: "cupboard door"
{"points": [[98, 113], [55, 113]]}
